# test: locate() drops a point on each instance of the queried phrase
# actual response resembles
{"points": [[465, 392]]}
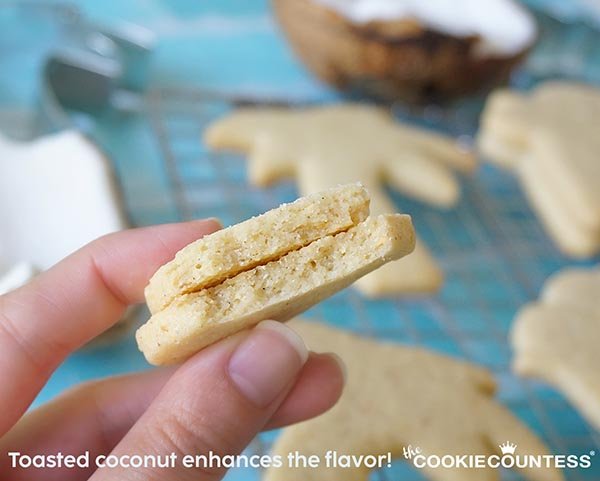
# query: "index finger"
{"points": [[74, 301]]}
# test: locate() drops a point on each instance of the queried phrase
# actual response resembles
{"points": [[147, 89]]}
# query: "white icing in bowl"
{"points": [[504, 27], [56, 194], [16, 276]]}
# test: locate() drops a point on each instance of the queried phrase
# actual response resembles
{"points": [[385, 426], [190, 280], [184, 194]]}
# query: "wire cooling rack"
{"points": [[495, 253]]}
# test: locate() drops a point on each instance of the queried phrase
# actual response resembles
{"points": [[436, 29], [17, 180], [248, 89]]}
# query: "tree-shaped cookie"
{"points": [[556, 339], [551, 138], [326, 146], [396, 397]]}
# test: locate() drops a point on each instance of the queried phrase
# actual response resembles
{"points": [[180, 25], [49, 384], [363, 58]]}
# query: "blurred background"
{"points": [[142, 78]]}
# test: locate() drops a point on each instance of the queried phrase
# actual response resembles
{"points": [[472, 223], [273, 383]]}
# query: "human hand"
{"points": [[217, 401]]}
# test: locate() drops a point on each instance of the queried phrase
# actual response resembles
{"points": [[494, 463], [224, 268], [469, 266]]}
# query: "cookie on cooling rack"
{"points": [[556, 339], [273, 266], [404, 396], [416, 50], [549, 137], [326, 146]]}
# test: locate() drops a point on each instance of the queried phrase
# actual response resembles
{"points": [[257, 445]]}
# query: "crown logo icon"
{"points": [[508, 448]]}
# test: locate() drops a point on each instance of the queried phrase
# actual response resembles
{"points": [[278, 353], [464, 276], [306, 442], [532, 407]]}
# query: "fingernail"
{"points": [[265, 363], [214, 220], [341, 364]]}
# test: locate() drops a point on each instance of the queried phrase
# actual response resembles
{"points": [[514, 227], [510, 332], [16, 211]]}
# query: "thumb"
{"points": [[217, 401]]}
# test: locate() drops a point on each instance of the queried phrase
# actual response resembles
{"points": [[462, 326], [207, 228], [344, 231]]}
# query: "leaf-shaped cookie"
{"points": [[550, 137], [398, 396], [556, 339], [326, 146]]}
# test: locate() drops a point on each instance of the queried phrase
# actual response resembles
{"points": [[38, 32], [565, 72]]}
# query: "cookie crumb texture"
{"points": [[216, 257], [277, 290]]}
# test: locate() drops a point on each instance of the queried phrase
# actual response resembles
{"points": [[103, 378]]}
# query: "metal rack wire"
{"points": [[495, 254]]}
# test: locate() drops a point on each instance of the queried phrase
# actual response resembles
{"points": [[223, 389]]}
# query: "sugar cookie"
{"points": [[550, 138], [398, 396], [277, 288], [556, 339], [326, 146], [214, 258]]}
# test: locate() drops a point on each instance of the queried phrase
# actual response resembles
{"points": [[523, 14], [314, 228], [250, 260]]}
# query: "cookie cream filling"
{"points": [[503, 26], [56, 194]]}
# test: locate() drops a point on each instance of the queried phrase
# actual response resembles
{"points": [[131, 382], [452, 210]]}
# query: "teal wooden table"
{"points": [[234, 47]]}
